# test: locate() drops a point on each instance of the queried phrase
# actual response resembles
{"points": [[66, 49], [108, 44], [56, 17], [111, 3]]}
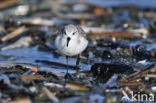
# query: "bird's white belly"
{"points": [[74, 48]]}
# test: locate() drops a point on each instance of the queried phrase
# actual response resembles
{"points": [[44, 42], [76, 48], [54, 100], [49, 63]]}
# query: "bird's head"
{"points": [[70, 32]]}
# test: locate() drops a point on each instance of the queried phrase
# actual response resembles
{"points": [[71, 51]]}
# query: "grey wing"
{"points": [[81, 31], [61, 31], [56, 41]]}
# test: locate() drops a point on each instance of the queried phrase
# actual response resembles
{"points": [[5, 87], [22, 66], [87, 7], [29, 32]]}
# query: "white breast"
{"points": [[74, 48]]}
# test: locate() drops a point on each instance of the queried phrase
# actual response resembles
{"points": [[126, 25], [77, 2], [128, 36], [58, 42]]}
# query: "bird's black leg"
{"points": [[67, 63], [67, 75], [77, 63]]}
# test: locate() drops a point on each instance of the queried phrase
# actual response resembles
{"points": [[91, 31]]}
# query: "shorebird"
{"points": [[71, 41]]}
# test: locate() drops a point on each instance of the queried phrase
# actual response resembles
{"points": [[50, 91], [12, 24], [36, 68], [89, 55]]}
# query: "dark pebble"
{"points": [[140, 52], [106, 54], [101, 69], [68, 77]]}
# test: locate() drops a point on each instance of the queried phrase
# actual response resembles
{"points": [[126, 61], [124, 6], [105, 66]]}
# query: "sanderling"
{"points": [[71, 41]]}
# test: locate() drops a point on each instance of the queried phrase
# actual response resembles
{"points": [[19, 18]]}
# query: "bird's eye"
{"points": [[74, 33]]}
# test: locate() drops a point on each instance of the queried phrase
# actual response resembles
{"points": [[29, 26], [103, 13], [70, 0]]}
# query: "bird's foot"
{"points": [[77, 68], [68, 76]]}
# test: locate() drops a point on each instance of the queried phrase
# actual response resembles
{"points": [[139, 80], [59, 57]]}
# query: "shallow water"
{"points": [[31, 55]]}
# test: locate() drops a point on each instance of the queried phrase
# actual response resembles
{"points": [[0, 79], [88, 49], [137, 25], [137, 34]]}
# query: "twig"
{"points": [[50, 95], [138, 74]]}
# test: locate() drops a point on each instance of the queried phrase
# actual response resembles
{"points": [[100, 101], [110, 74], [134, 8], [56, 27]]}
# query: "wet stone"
{"points": [[107, 55], [101, 69], [140, 52]]}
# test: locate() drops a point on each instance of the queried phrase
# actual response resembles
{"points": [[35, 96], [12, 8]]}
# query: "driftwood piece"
{"points": [[15, 33], [77, 87], [134, 79], [115, 34], [7, 3], [50, 95], [138, 74], [21, 100], [22, 42], [32, 77]]}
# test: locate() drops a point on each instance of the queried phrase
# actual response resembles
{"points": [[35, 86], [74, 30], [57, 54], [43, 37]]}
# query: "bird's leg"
{"points": [[77, 63], [67, 75], [67, 63]]}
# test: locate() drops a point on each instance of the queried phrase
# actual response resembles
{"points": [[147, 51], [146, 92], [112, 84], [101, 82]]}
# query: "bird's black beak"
{"points": [[68, 39]]}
